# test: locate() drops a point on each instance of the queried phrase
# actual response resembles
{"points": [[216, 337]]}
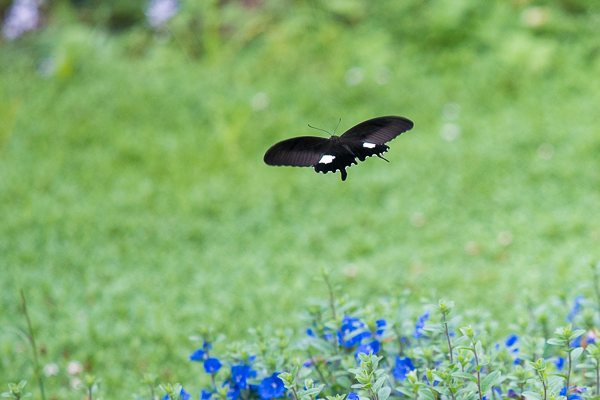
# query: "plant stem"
{"points": [[568, 371], [31, 337], [318, 369], [596, 286], [597, 378], [294, 393], [447, 337], [331, 295], [90, 392], [478, 372], [545, 390]]}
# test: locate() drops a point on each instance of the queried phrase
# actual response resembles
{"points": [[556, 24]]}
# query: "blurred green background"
{"points": [[136, 210]]}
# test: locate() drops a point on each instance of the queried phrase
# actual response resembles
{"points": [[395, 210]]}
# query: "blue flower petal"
{"points": [[403, 366], [212, 365], [271, 387], [197, 355], [511, 340]]}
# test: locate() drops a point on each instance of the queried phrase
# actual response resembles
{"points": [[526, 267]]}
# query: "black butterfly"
{"points": [[339, 152]]}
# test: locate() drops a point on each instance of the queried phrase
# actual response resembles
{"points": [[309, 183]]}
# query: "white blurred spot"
{"points": [[545, 151], [534, 17], [368, 145], [259, 101], [417, 219], [21, 17], [472, 248], [351, 271], [450, 131], [74, 368], [505, 238], [76, 383], [383, 76], [451, 111], [51, 369], [161, 11], [354, 76], [326, 159]]}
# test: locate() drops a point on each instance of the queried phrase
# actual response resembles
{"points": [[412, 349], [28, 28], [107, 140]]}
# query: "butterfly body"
{"points": [[338, 152]]}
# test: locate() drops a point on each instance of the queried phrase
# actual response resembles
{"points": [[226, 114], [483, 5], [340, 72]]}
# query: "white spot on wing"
{"points": [[368, 145], [326, 159]]}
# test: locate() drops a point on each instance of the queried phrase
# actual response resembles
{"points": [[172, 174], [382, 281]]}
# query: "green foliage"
{"points": [[136, 209], [16, 391]]}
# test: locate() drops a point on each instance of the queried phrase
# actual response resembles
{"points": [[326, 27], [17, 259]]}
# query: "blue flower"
{"points": [[205, 395], [197, 355], [271, 387], [559, 363], [420, 325], [368, 348], [202, 353], [239, 379], [575, 309], [240, 375], [212, 365], [575, 393], [512, 394], [22, 16], [511, 340], [381, 324], [160, 11], [352, 332], [352, 396], [310, 332], [183, 395], [403, 366]]}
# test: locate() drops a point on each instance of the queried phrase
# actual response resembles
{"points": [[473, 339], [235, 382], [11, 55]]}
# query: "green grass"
{"points": [[136, 209]]}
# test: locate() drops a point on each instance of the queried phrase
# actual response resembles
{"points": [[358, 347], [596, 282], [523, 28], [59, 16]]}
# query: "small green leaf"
{"points": [[384, 393], [490, 380], [576, 353], [532, 395], [463, 375]]}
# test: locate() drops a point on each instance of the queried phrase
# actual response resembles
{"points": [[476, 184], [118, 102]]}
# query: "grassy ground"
{"points": [[136, 208]]}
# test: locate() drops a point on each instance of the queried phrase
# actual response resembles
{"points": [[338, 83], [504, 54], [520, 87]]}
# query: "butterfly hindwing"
{"points": [[303, 151], [362, 150], [336, 157]]}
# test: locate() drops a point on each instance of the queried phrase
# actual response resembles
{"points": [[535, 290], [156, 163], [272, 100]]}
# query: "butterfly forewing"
{"points": [[303, 151], [378, 130]]}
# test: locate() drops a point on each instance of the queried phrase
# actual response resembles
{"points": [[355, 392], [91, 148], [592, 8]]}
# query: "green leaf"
{"points": [[490, 380], [463, 375], [379, 383], [576, 353], [405, 391], [426, 395], [532, 395], [384, 393], [555, 342], [576, 333]]}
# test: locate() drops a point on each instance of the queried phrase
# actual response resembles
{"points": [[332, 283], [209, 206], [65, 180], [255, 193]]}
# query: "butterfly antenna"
{"points": [[338, 125], [319, 129]]}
